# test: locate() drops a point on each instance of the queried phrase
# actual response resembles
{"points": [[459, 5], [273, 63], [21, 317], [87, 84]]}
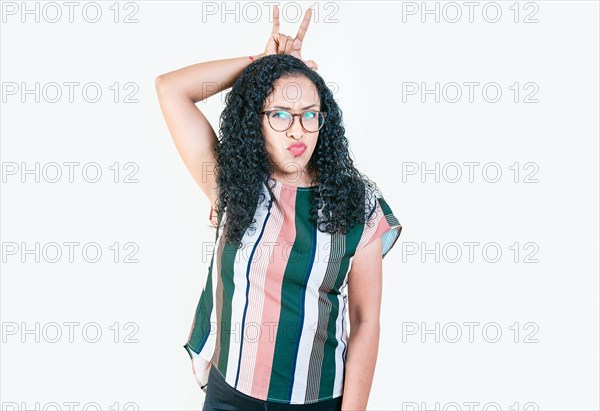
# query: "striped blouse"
{"points": [[271, 317]]}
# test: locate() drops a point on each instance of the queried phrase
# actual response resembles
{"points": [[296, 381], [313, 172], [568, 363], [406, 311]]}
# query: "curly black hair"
{"points": [[242, 162]]}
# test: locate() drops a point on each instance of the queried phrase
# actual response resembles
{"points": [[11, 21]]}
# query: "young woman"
{"points": [[300, 235]]}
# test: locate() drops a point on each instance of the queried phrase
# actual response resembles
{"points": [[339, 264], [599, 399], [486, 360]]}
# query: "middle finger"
{"points": [[289, 46]]}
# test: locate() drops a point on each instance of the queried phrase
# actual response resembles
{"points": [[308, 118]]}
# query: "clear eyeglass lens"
{"points": [[282, 120]]}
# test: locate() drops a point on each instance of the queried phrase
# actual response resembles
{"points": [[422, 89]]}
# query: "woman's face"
{"points": [[295, 94]]}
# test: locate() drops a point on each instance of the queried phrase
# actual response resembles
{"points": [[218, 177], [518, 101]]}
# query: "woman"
{"points": [[299, 233]]}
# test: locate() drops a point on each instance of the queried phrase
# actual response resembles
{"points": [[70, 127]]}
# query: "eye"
{"points": [[310, 114], [280, 114]]}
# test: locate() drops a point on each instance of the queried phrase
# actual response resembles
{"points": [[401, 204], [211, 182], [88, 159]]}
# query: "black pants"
{"points": [[221, 396]]}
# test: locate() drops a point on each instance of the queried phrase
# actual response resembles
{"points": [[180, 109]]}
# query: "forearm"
{"points": [[202, 80], [363, 344]]}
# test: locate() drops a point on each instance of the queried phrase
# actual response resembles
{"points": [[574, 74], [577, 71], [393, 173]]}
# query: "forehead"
{"points": [[293, 91]]}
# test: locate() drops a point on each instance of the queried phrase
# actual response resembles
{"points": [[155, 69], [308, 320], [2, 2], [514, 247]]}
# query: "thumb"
{"points": [[312, 64]]}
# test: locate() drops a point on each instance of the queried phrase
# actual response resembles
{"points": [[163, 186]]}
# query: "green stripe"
{"points": [[328, 368], [225, 288], [354, 234], [201, 327], [293, 291]]}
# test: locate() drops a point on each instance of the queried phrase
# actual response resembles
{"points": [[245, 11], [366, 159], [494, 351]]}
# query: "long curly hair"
{"points": [[243, 166]]}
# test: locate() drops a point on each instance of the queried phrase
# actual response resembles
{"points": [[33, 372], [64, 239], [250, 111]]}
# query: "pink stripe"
{"points": [[218, 302], [381, 228], [256, 297], [272, 305]]}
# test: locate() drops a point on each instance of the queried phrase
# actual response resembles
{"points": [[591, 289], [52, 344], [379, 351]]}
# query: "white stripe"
{"points": [[342, 337], [200, 369], [240, 267], [311, 316]]}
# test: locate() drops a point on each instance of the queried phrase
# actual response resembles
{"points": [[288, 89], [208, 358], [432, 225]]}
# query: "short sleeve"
{"points": [[381, 223]]}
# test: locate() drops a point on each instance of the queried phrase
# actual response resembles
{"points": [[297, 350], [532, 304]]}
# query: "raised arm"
{"points": [[178, 92]]}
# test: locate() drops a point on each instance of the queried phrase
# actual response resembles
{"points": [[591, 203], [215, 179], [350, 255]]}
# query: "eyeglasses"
{"points": [[281, 120]]}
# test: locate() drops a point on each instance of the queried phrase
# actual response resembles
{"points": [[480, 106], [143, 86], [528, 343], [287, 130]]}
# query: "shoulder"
{"points": [[380, 222]]}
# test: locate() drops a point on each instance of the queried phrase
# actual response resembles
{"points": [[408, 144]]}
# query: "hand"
{"points": [[280, 43]]}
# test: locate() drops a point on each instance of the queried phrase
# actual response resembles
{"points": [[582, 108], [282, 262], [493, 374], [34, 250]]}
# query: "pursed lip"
{"points": [[297, 145]]}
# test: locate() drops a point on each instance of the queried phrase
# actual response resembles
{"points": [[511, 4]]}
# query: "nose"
{"points": [[295, 131]]}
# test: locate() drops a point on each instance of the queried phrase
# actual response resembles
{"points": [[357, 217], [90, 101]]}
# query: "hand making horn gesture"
{"points": [[280, 43]]}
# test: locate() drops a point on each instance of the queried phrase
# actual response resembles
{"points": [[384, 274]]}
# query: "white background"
{"points": [[366, 51]]}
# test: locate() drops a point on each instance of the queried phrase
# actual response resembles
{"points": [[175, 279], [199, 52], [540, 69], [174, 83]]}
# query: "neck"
{"points": [[291, 179]]}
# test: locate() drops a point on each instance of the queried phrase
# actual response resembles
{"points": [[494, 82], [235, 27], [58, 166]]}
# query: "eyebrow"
{"points": [[289, 108]]}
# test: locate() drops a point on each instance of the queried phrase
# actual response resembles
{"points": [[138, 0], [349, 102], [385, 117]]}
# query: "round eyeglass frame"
{"points": [[268, 112]]}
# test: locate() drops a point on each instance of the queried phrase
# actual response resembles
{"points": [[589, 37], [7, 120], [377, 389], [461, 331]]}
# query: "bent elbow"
{"points": [[159, 83]]}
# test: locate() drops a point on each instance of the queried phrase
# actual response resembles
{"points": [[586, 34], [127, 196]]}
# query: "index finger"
{"points": [[304, 24], [275, 20]]}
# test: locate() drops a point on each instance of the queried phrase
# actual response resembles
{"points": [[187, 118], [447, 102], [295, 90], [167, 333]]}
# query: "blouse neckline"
{"points": [[292, 187]]}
